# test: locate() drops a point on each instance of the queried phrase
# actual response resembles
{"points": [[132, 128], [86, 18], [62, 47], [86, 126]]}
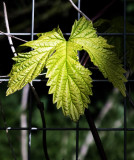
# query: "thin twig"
{"points": [[8, 30], [39, 103], [83, 57], [40, 106], [105, 110], [95, 134], [96, 17], [79, 10], [9, 35], [85, 62], [41, 109], [3, 115], [103, 10], [35, 94]]}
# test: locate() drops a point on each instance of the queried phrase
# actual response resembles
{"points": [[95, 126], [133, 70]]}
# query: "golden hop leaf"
{"points": [[69, 81]]}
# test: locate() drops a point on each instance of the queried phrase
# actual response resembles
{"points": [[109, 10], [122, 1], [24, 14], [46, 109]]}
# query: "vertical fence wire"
{"points": [[29, 126], [77, 124], [30, 105], [79, 2], [125, 104]]}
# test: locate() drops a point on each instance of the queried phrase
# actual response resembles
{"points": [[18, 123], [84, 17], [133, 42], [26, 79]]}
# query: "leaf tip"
{"points": [[8, 92]]}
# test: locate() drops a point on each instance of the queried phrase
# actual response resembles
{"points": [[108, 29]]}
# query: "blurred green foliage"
{"points": [[61, 144], [116, 25]]}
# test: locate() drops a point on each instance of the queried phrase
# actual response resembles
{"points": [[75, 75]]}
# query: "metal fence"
{"points": [[77, 129]]}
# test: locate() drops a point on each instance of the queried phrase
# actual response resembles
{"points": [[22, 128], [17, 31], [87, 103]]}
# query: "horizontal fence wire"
{"points": [[66, 129], [68, 34], [44, 80], [124, 129]]}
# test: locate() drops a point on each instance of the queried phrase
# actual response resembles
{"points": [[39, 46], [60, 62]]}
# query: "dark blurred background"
{"points": [[106, 103]]}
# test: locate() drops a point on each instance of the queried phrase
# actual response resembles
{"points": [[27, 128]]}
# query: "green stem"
{"points": [[95, 135]]}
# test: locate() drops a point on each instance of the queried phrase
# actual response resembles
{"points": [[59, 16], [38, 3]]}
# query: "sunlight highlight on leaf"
{"points": [[69, 81]]}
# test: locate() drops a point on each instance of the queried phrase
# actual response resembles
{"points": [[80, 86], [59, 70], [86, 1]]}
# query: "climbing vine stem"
{"points": [[40, 105]]}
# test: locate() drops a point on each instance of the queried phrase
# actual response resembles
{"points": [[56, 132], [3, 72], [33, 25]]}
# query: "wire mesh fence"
{"points": [[78, 128]]}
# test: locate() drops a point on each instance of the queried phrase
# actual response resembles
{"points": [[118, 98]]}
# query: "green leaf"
{"points": [[116, 25], [69, 81], [30, 64], [100, 52]]}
